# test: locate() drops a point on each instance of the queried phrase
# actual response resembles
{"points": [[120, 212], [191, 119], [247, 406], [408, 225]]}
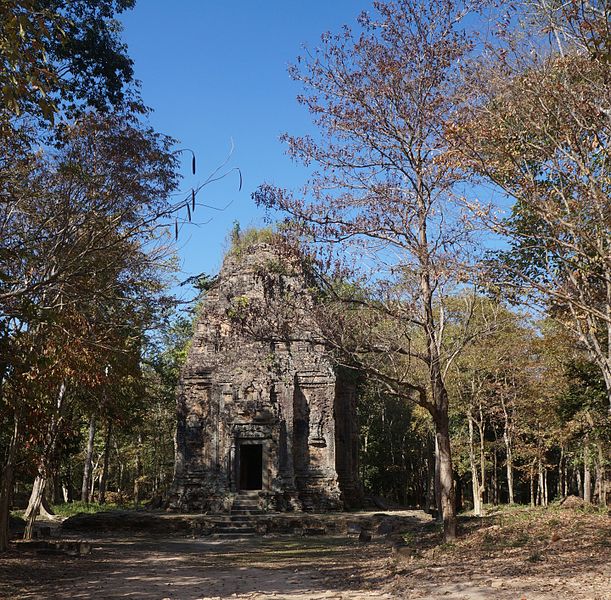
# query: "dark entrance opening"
{"points": [[251, 466]]}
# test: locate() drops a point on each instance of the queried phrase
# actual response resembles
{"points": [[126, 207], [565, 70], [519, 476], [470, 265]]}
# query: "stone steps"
{"points": [[246, 507], [240, 523]]}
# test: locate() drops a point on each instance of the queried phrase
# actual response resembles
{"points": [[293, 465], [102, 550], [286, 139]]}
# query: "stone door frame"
{"points": [[250, 434]]}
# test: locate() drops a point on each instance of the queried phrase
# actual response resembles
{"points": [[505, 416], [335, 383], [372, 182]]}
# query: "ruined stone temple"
{"points": [[261, 408]]}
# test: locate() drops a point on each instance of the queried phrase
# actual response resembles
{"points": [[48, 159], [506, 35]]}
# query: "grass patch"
{"points": [[70, 509]]}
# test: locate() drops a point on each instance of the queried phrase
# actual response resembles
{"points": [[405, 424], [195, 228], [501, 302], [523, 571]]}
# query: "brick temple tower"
{"points": [[261, 407]]}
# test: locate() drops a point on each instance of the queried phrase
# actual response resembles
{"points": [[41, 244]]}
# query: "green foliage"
{"points": [[395, 442], [169, 353]]}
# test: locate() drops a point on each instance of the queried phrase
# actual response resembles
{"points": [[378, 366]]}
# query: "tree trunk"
{"points": [[430, 489], [507, 439], [509, 467], [138, 471], [587, 476], [38, 502], [477, 489], [458, 492], [533, 497], [446, 478], [482, 468], [606, 362], [86, 486], [104, 475], [438, 508], [601, 477], [6, 486], [37, 505], [36, 498], [69, 487], [58, 497], [560, 487], [495, 479], [541, 488], [121, 468]]}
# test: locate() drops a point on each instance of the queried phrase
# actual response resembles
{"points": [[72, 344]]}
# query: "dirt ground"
{"points": [[557, 555], [283, 568]]}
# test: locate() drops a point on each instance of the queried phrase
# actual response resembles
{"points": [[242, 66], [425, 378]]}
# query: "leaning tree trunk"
{"points": [[37, 505], [6, 486], [85, 488]]}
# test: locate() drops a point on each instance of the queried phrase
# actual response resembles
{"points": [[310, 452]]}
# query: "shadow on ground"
{"points": [[326, 567]]}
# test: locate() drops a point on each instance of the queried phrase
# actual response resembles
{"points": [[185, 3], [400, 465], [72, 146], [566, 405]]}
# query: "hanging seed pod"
{"points": [[240, 186], [176, 229], [193, 164], [193, 200], [188, 211]]}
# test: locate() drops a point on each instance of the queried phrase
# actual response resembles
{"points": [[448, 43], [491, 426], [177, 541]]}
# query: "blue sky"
{"points": [[215, 71]]}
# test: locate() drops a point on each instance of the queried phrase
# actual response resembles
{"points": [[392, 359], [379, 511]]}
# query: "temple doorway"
{"points": [[251, 467]]}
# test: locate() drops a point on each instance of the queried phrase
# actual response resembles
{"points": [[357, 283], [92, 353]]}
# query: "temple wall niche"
{"points": [[262, 408]]}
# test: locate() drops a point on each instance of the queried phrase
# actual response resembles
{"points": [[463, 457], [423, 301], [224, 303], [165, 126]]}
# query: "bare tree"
{"points": [[384, 200]]}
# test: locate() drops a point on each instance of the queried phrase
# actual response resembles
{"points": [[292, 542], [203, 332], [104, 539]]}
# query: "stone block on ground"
{"points": [[56, 547], [572, 502]]}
